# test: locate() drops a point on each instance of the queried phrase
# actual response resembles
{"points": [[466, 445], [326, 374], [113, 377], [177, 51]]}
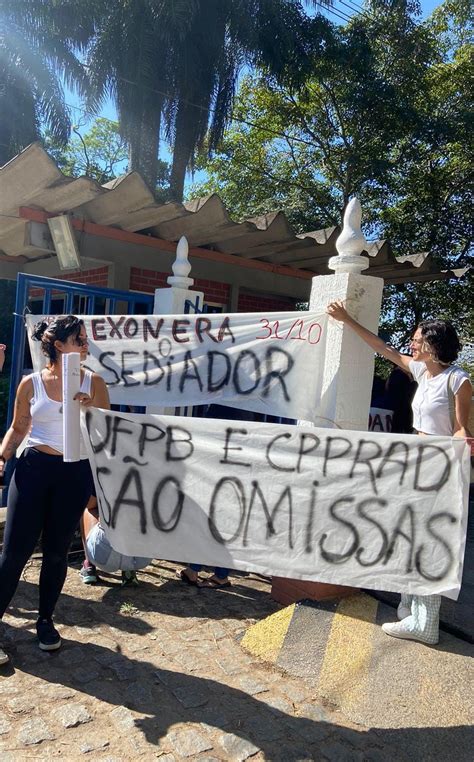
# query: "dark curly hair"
{"points": [[442, 340], [59, 329]]}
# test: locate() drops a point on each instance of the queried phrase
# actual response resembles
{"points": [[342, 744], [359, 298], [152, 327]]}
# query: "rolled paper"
{"points": [[71, 407]]}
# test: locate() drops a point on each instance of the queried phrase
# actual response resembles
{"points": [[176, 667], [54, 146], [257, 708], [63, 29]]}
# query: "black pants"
{"points": [[46, 496]]}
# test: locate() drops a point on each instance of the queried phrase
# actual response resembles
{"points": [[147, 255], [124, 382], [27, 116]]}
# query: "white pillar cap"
{"points": [[181, 267], [351, 242]]}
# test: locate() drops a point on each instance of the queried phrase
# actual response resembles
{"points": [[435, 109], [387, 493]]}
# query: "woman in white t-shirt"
{"points": [[440, 406]]}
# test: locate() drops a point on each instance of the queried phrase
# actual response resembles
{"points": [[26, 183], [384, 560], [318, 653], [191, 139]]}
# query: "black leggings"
{"points": [[46, 496]]}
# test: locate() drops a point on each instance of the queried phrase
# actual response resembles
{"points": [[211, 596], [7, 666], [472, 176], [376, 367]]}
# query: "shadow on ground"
{"points": [[170, 598], [168, 696]]}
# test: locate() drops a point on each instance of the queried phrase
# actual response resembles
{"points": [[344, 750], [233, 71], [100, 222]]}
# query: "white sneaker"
{"points": [[403, 611], [4, 658], [400, 630]]}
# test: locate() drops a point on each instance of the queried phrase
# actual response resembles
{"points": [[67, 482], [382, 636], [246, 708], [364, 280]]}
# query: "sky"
{"points": [[341, 9], [340, 12]]}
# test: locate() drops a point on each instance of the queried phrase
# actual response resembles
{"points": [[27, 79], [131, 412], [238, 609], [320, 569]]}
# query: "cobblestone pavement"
{"points": [[158, 672]]}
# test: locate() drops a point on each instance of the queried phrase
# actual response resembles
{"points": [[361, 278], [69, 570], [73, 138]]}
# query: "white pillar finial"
{"points": [[351, 242], [181, 267]]}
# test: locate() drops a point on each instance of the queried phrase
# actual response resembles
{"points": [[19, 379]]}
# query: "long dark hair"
{"points": [[60, 329], [442, 340]]}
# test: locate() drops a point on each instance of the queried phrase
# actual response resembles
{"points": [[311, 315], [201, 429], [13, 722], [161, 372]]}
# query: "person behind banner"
{"points": [[46, 495], [440, 407], [2, 356], [190, 574], [395, 395], [101, 554]]}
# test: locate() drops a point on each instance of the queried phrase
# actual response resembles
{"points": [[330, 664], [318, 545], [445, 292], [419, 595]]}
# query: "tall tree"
{"points": [[173, 66], [132, 58], [38, 40], [274, 35], [385, 116]]}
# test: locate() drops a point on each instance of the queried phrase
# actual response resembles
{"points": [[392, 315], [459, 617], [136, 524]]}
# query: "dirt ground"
{"points": [[157, 671]]}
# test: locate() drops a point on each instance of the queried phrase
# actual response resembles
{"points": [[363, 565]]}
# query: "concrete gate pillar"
{"points": [[177, 299], [349, 362]]}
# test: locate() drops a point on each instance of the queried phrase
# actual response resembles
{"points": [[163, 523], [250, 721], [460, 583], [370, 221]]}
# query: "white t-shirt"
{"points": [[431, 401]]}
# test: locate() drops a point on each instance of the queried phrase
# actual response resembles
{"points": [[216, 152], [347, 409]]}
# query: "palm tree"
{"points": [[131, 58], [175, 65], [36, 58], [275, 35]]}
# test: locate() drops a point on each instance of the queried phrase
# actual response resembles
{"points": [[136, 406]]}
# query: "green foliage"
{"points": [[405, 305], [172, 67], [99, 153], [452, 22], [384, 116], [38, 40], [102, 154]]}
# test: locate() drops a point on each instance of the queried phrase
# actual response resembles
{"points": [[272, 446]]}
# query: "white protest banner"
{"points": [[71, 367], [379, 511], [271, 365]]}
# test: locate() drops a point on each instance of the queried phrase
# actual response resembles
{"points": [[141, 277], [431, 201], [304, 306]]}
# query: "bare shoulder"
{"points": [[100, 392], [98, 381], [22, 414], [25, 388]]}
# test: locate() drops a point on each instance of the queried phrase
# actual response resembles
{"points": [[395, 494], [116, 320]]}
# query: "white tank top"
{"points": [[47, 415]]}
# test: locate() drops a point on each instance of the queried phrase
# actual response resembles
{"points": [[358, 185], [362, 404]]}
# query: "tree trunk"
{"points": [[144, 145], [183, 149], [134, 148]]}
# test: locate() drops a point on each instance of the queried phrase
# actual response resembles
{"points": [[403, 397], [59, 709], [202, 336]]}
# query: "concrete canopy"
{"points": [[263, 253]]}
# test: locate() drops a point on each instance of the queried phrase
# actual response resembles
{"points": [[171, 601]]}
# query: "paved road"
{"points": [[159, 672]]}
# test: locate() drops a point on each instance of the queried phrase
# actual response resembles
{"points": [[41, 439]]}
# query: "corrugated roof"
{"points": [[32, 179]]}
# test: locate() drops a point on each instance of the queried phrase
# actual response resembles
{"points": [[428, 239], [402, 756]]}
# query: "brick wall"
{"points": [[256, 303], [96, 277], [214, 292], [146, 280]]}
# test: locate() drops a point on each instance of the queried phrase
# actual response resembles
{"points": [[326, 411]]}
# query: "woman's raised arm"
{"points": [[337, 311]]}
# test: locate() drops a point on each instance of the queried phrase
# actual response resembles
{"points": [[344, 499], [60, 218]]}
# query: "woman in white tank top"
{"points": [[46, 495], [434, 348]]}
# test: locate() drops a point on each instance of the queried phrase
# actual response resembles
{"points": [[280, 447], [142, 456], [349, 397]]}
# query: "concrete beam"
{"points": [[263, 281], [234, 298], [49, 267], [119, 275], [9, 270], [97, 251]]}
